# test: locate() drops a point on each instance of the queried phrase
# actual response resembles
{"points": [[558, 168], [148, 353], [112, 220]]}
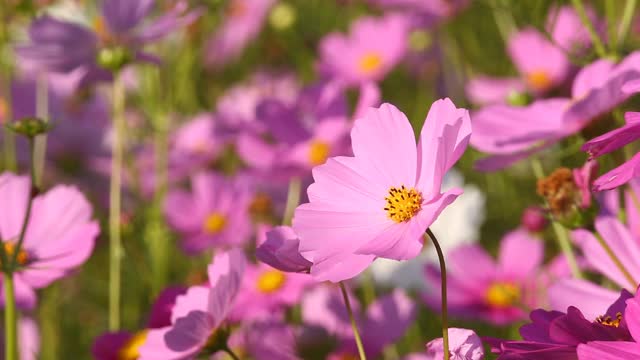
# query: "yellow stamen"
{"points": [[10, 249], [214, 223], [608, 321], [271, 281], [539, 80], [101, 30], [502, 295], [4, 110], [370, 62], [403, 203], [130, 350], [318, 152]]}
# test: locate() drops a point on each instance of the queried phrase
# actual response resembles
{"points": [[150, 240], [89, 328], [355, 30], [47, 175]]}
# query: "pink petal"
{"points": [[591, 299], [520, 254]]}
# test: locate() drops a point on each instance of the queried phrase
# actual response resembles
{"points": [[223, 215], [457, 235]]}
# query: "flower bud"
{"points": [[113, 59], [29, 127], [534, 219]]}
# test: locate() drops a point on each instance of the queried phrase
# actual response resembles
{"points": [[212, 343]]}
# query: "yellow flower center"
{"points": [[403, 203], [318, 152], [502, 295], [214, 223], [538, 80], [10, 249], [130, 350], [608, 321], [370, 62], [271, 281]]}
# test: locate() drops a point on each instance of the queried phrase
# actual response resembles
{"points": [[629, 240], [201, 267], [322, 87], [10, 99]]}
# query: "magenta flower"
{"points": [[463, 345], [199, 313], [373, 47], [280, 251], [380, 202], [611, 350], [383, 323], [242, 23], [556, 336], [125, 344], [612, 141], [214, 213], [496, 292], [59, 238], [265, 291]]}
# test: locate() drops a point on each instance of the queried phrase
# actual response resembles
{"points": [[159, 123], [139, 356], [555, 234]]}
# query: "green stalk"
{"points": [[293, 199], [354, 327], [42, 112], [10, 319], [443, 292], [625, 22], [597, 42], [115, 240], [159, 240]]}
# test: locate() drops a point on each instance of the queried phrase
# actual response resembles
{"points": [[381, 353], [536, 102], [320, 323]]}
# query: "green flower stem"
{"points": [[42, 112], [625, 22], [443, 290], [354, 327], [115, 240], [231, 353], [293, 199], [597, 42], [10, 319]]}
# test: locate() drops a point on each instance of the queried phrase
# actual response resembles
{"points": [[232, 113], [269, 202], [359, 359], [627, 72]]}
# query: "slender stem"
{"points": [[231, 353], [610, 12], [443, 290], [565, 246], [293, 199], [354, 327], [625, 22], [115, 241], [504, 21], [42, 112], [617, 262], [159, 240], [595, 38], [10, 319], [9, 142], [32, 193]]}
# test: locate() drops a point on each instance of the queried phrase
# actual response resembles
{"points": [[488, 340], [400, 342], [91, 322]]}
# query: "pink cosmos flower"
{"points": [[493, 291], [59, 238], [265, 291], [199, 313], [280, 251], [242, 23], [588, 296], [511, 133], [301, 135], [464, 344], [380, 202], [373, 47], [125, 344], [214, 213], [384, 321]]}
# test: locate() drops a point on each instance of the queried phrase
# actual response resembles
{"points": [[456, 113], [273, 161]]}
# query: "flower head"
{"points": [[216, 212], [60, 235], [380, 202]]}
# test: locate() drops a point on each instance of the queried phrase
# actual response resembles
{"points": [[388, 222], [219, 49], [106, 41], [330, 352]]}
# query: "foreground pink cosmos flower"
{"points": [[60, 235], [380, 202], [198, 314]]}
